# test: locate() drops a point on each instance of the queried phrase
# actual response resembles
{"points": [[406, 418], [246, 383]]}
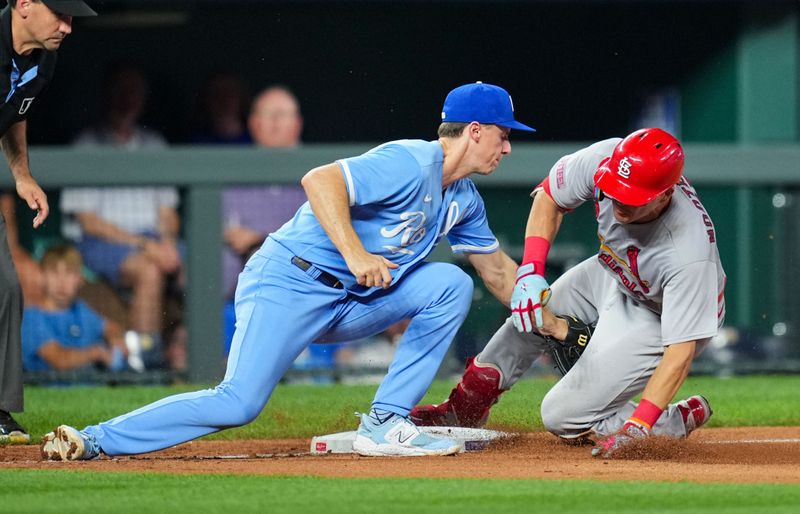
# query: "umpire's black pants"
{"points": [[10, 323]]}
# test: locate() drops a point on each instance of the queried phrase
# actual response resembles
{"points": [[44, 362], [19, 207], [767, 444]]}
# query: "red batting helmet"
{"points": [[643, 165]]}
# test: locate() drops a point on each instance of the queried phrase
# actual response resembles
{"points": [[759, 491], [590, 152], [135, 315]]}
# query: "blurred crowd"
{"points": [[107, 292]]}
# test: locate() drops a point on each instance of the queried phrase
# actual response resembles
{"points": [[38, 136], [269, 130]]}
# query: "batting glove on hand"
{"points": [[531, 293], [630, 432]]}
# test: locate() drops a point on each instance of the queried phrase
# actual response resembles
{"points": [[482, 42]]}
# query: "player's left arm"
{"points": [[15, 147], [670, 374], [498, 272], [328, 197], [689, 314]]}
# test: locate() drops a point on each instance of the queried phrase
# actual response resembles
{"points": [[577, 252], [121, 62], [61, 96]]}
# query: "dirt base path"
{"points": [[758, 454]]}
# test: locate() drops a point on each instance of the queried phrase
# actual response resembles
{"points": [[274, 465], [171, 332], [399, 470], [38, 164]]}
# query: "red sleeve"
{"points": [[544, 185]]}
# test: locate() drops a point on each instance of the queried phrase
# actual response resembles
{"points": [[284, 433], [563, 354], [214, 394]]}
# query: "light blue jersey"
{"points": [[399, 211]]}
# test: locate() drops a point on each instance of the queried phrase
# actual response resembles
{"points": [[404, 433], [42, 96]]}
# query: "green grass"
{"points": [[62, 492], [306, 410]]}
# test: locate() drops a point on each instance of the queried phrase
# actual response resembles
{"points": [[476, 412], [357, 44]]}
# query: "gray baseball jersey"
{"points": [[650, 285]]}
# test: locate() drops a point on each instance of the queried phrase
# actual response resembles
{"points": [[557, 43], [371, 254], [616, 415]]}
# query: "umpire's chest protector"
{"points": [[22, 77]]}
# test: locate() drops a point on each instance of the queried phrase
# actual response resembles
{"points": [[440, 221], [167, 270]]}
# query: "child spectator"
{"points": [[64, 333]]}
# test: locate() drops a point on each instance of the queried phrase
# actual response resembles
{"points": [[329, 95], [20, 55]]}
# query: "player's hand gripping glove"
{"points": [[567, 352], [531, 293]]}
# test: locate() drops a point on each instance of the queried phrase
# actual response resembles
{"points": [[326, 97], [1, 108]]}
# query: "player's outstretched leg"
{"points": [[271, 332], [469, 402], [384, 433]]}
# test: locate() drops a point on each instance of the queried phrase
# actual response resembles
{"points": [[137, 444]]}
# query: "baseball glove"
{"points": [[567, 352]]}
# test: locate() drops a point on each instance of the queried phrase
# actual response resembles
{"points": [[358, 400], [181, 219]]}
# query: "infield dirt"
{"points": [[751, 454]]}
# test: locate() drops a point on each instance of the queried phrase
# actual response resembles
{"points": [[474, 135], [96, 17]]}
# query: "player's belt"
{"points": [[316, 273]]}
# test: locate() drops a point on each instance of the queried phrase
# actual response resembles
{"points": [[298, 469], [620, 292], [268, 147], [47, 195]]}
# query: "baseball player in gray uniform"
{"points": [[654, 293]]}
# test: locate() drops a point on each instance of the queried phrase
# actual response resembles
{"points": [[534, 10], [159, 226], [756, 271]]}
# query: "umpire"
{"points": [[31, 31]]}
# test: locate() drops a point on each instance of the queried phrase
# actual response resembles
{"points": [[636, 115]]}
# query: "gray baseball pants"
{"points": [[595, 396], [10, 323]]}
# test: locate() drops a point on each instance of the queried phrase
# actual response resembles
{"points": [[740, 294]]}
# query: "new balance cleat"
{"points": [[10, 431], [695, 411], [383, 433], [67, 443]]}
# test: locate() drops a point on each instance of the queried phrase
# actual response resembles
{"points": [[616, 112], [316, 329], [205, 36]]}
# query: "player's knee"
{"points": [[243, 413], [459, 285], [561, 417], [554, 414], [241, 409]]}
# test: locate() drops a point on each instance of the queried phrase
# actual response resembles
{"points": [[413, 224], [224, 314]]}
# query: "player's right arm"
{"points": [[15, 147], [328, 197], [531, 290], [569, 184], [544, 219]]}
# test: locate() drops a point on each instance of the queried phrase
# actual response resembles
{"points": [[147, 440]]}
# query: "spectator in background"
{"points": [[64, 333], [30, 275], [129, 235], [221, 111], [124, 100], [250, 213], [275, 120]]}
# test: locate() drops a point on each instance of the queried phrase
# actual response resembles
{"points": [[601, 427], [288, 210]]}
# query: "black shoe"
{"points": [[10, 431]]}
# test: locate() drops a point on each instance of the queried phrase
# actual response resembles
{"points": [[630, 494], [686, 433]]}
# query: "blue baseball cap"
{"points": [[483, 103]]}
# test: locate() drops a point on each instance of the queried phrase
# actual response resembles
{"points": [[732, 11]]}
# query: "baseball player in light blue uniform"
{"points": [[348, 265]]}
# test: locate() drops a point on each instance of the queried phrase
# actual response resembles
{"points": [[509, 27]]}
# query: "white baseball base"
{"points": [[474, 439]]}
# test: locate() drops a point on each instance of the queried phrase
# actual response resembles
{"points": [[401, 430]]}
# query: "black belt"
{"points": [[316, 273]]}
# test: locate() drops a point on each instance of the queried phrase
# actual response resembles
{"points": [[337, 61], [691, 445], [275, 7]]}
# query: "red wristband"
{"points": [[536, 249], [647, 413]]}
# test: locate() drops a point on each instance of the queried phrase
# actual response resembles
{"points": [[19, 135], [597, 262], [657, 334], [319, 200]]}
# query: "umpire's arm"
{"points": [[498, 271], [15, 147]]}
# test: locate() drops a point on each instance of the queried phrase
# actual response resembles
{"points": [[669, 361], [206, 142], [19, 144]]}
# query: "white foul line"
{"points": [[755, 441]]}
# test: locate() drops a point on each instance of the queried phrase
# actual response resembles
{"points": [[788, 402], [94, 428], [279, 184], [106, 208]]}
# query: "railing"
{"points": [[204, 172]]}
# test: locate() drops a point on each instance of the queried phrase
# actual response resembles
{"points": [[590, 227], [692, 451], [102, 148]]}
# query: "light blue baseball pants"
{"points": [[280, 310]]}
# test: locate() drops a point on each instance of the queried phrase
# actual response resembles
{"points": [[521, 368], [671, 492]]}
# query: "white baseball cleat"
{"points": [[386, 434], [67, 443]]}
